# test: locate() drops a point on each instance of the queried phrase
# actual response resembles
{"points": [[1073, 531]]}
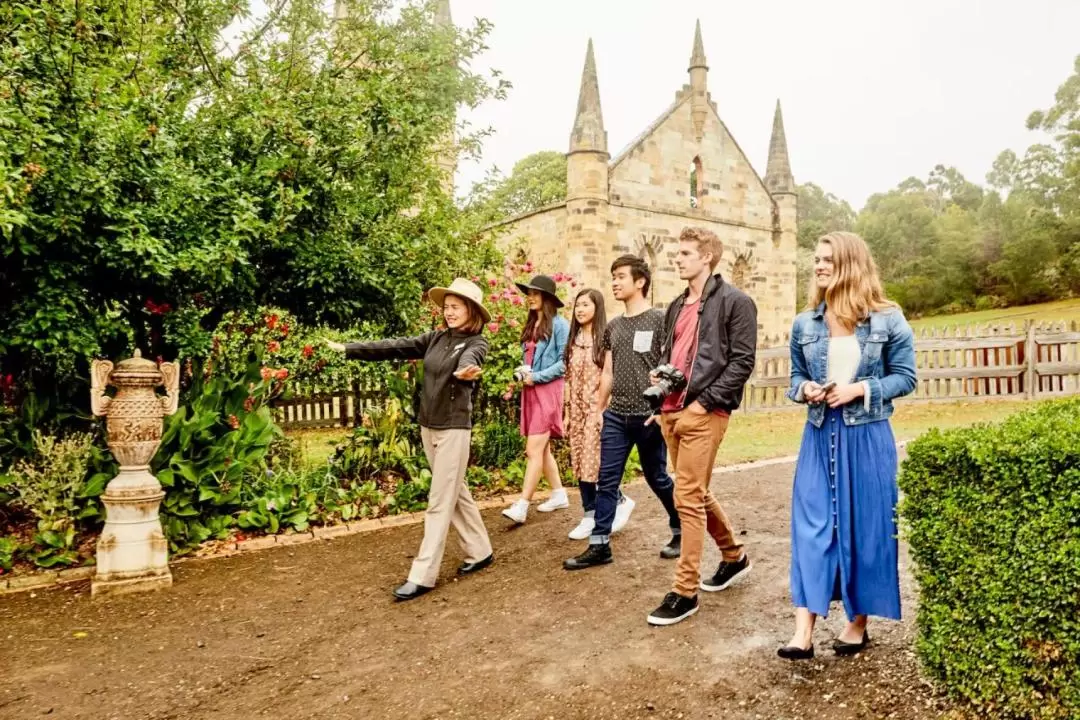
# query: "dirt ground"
{"points": [[311, 632]]}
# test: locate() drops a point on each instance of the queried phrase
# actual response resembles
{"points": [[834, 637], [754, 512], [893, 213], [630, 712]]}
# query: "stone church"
{"points": [[684, 169]]}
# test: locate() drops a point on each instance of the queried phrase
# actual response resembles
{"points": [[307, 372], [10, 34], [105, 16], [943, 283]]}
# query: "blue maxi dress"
{"points": [[843, 519]]}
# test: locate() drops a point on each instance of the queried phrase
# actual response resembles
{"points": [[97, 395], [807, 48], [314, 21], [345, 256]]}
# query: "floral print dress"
{"points": [[583, 390]]}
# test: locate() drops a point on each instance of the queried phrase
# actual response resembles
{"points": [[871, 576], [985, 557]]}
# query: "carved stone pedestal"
{"points": [[132, 553]]}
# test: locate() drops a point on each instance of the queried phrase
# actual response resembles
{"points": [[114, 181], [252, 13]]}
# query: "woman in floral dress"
{"points": [[584, 362]]}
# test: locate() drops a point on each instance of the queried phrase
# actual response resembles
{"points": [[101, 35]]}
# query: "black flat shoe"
{"points": [[845, 649], [672, 550], [410, 590], [471, 567], [594, 555], [791, 652]]}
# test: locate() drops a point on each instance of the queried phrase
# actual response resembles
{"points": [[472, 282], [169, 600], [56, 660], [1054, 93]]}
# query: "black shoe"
{"points": [[599, 554], [726, 574], [471, 567], [410, 590], [673, 549], [674, 608], [791, 652], [845, 649]]}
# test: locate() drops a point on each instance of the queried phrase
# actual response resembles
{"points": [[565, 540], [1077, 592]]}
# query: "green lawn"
{"points": [[1052, 311], [763, 435]]}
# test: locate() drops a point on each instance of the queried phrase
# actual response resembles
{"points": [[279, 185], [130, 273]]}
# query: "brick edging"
{"points": [[52, 578]]}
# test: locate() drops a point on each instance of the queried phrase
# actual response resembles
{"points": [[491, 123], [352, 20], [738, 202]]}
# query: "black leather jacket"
{"points": [[726, 348]]}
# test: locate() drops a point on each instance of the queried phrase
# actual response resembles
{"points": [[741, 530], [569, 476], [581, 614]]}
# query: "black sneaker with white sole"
{"points": [[674, 608], [727, 574]]}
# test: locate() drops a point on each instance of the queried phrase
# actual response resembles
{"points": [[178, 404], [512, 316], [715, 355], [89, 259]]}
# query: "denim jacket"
{"points": [[887, 366], [547, 364]]}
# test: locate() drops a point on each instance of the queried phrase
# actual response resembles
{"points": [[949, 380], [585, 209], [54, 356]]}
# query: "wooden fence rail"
{"points": [[1034, 360]]}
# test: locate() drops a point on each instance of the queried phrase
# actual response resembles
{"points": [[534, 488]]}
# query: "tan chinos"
{"points": [[449, 503]]}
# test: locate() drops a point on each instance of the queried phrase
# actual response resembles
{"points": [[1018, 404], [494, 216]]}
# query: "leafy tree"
{"points": [[821, 212], [536, 181], [148, 184]]}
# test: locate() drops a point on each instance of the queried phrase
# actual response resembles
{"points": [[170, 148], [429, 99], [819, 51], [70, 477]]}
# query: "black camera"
{"points": [[670, 379]]}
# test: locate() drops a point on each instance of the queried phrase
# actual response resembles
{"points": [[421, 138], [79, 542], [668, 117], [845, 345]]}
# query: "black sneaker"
{"points": [[726, 574], [599, 554], [674, 608], [673, 549]]}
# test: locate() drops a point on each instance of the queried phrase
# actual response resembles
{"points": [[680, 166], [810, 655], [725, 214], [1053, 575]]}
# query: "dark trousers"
{"points": [[619, 435]]}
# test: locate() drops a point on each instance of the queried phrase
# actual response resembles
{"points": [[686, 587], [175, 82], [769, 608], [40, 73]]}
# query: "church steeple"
{"points": [[778, 178], [697, 56], [699, 84], [588, 134]]}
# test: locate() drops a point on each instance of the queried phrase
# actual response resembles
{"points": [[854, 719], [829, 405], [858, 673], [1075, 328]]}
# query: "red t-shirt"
{"points": [[683, 350]]}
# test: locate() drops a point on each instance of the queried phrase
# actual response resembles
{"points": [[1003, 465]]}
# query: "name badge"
{"points": [[643, 341]]}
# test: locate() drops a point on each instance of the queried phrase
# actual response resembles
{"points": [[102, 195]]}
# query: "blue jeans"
{"points": [[619, 434]]}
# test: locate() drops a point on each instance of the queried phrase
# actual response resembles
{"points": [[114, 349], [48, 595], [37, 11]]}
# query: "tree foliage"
{"points": [[536, 181], [153, 177]]}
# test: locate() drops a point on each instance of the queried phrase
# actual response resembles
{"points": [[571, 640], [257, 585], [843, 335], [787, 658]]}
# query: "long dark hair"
{"points": [[538, 325], [599, 322]]}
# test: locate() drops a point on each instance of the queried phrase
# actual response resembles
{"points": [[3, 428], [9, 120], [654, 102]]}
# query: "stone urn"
{"points": [[132, 553]]}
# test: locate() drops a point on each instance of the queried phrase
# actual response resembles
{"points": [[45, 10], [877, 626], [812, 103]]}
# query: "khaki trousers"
{"points": [[692, 441], [449, 503]]}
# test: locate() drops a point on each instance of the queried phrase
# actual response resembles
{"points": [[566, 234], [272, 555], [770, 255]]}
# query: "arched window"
{"points": [[695, 182]]}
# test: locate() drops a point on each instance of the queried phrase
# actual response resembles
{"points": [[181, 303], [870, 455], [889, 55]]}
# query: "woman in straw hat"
{"points": [[452, 359], [543, 342]]}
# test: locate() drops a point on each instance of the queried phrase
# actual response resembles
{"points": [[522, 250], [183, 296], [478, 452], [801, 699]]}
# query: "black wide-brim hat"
{"points": [[543, 284]]}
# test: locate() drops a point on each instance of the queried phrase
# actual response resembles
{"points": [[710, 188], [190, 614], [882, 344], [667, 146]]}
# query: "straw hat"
{"points": [[462, 288], [544, 284]]}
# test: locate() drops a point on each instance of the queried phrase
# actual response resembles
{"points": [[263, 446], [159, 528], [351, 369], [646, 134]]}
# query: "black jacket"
{"points": [[445, 401], [727, 344]]}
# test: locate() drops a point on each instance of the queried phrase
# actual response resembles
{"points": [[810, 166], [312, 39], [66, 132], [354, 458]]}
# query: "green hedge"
{"points": [[992, 514]]}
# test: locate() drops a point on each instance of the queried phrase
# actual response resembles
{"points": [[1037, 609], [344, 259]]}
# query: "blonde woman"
{"points": [[852, 354], [452, 359]]}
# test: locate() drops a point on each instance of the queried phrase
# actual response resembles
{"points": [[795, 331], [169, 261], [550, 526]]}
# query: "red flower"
{"points": [[271, 321], [308, 351], [281, 374], [284, 330], [273, 346], [234, 422], [493, 327], [249, 404], [266, 373]]}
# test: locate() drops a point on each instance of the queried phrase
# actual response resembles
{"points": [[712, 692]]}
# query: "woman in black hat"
{"points": [[543, 343]]}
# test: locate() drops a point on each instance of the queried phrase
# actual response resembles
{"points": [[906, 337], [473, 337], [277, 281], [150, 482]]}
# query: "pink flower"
{"points": [[558, 277], [514, 323], [508, 394], [493, 327], [528, 266], [475, 278], [492, 282], [494, 297], [516, 300]]}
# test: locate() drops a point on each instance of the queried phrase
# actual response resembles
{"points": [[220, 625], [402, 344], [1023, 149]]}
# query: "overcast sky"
{"points": [[873, 92]]}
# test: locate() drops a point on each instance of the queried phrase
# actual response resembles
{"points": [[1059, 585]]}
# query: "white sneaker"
{"points": [[557, 501], [622, 513], [584, 529], [518, 511]]}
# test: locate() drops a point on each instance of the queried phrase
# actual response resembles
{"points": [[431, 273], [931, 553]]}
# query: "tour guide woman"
{"points": [[852, 354], [452, 359]]}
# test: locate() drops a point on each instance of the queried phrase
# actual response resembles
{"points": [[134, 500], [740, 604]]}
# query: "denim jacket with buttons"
{"points": [[886, 366], [547, 362]]}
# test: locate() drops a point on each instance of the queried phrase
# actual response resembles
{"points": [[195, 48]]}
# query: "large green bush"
{"points": [[992, 513]]}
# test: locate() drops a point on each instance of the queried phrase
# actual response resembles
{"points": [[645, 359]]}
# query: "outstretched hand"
{"points": [[334, 345], [472, 372]]}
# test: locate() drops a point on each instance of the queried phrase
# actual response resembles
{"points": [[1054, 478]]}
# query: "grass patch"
{"points": [[1052, 311], [316, 446], [777, 433]]}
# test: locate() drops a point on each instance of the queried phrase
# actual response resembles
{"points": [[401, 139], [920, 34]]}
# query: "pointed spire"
{"points": [[588, 133], [697, 57], [778, 177], [442, 14]]}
